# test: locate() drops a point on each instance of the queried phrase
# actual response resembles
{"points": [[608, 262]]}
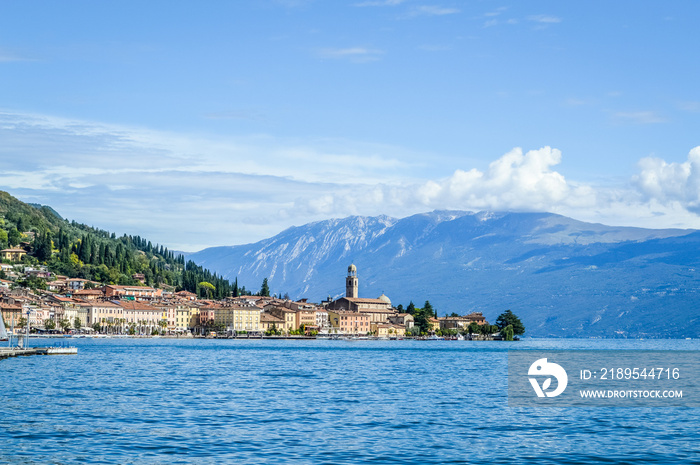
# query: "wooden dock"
{"points": [[6, 352]]}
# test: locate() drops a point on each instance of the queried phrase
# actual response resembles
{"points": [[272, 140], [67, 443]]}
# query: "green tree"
{"points": [[208, 287], [508, 318], [429, 309], [64, 324], [163, 324], [507, 333], [49, 324], [21, 225], [487, 330], [96, 326], [77, 324], [421, 318], [473, 328], [411, 309], [265, 289], [13, 237], [3, 238], [43, 246]]}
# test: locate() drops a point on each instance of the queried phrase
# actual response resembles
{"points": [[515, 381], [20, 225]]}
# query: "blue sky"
{"points": [[219, 123]]}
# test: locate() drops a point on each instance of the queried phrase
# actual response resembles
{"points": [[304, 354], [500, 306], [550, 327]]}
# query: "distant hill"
{"points": [[561, 276]]}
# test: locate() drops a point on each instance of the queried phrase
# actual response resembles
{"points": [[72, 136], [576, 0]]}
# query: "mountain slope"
{"points": [[562, 276]]}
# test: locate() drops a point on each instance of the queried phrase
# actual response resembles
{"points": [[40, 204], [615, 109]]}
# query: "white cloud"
{"points": [[638, 117], [497, 12], [431, 10], [516, 181], [671, 182], [690, 106], [544, 19], [8, 57], [380, 3], [193, 191], [355, 54]]}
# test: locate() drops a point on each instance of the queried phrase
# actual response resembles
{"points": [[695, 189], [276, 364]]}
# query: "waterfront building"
{"points": [[63, 308], [322, 319], [477, 317], [269, 321], [388, 330], [462, 322], [144, 316], [108, 315], [306, 317], [239, 318], [345, 322], [169, 314], [10, 313], [453, 322], [287, 315], [433, 325], [182, 318], [404, 319], [379, 310]]}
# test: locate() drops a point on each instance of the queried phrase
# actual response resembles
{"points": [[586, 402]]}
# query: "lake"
{"points": [[335, 402]]}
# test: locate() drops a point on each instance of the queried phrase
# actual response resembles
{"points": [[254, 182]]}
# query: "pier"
{"points": [[6, 352]]}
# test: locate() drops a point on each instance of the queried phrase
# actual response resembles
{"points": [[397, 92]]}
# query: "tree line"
{"points": [[81, 251]]}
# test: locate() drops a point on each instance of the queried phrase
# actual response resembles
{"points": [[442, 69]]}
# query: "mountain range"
{"points": [[562, 277]]}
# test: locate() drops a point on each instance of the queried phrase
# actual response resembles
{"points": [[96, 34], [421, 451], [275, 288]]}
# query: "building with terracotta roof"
{"points": [[404, 319], [345, 322], [388, 330], [135, 292], [108, 315], [379, 309], [145, 317], [269, 321], [13, 254], [88, 294], [186, 295], [239, 318], [11, 313], [287, 315]]}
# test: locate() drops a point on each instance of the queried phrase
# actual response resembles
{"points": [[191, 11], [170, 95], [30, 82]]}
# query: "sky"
{"points": [[208, 123]]}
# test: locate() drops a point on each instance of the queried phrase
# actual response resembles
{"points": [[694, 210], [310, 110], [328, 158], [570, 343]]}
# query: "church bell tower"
{"points": [[351, 282]]}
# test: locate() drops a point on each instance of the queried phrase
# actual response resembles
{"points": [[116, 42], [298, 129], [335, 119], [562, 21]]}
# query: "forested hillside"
{"points": [[78, 250]]}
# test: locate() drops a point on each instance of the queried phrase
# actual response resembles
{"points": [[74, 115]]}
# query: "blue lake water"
{"points": [[335, 402]]}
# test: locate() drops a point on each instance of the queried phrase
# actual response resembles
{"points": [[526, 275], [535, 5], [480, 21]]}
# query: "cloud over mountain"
{"points": [[671, 182], [246, 188]]}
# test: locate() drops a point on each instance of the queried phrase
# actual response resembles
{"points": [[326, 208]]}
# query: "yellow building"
{"points": [[193, 317], [388, 330], [182, 318], [269, 322], [287, 315], [14, 255], [434, 324], [238, 318]]}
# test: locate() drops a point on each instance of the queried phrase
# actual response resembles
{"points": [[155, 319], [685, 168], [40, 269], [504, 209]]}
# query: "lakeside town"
{"points": [[85, 307]]}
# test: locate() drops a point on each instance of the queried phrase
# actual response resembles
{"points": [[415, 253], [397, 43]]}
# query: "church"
{"points": [[379, 310]]}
